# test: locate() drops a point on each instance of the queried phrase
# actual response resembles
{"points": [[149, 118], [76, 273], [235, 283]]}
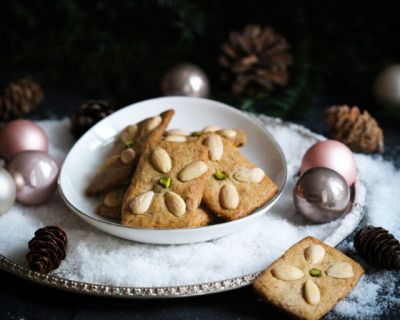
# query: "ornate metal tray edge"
{"points": [[125, 292]]}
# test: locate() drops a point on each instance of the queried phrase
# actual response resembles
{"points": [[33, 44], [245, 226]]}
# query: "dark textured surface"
{"points": [[20, 299]]}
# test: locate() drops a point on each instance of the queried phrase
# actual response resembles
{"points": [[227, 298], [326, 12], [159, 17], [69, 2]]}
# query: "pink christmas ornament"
{"points": [[35, 174], [331, 154], [21, 135]]}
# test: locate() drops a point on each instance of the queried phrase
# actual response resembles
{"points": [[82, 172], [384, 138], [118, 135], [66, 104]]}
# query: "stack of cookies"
{"points": [[155, 178]]}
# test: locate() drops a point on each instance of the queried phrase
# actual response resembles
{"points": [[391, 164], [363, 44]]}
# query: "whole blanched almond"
{"points": [[249, 175], [176, 132], [161, 160], [176, 138], [193, 171], [128, 155], [287, 272], [228, 196], [227, 133], [128, 133], [175, 204], [113, 199], [211, 128], [340, 270], [151, 124], [215, 147], [314, 254], [142, 202], [312, 293]]}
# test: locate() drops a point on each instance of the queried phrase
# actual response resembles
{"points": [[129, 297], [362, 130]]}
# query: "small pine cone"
{"points": [[255, 60], [89, 113], [19, 98], [358, 130], [46, 249], [378, 247]]}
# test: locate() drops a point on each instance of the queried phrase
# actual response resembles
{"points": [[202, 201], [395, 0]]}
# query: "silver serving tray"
{"points": [[185, 290]]}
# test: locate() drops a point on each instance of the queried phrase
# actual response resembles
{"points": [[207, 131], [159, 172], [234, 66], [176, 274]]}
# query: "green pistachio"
{"points": [[220, 175], [197, 133], [129, 143], [314, 272], [165, 182]]}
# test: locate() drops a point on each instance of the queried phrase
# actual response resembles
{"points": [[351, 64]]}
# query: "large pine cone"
{"points": [[358, 130], [89, 113], [378, 247], [46, 249], [19, 98], [256, 59]]}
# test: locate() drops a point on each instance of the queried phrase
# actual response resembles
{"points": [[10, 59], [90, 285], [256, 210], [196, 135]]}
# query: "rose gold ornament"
{"points": [[331, 154], [21, 135], [35, 174]]}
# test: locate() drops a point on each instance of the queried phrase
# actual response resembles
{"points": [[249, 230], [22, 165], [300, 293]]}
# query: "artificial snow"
{"points": [[96, 257]]}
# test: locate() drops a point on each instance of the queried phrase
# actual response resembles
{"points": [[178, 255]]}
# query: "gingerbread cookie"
{"points": [[236, 187], [121, 161], [167, 187], [309, 279], [111, 205]]}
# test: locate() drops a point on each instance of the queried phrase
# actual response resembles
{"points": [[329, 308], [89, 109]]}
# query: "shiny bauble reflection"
{"points": [[185, 80], [321, 195], [7, 191], [35, 174], [387, 85]]}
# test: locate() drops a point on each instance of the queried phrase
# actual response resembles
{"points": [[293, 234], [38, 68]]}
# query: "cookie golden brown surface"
{"points": [[235, 187], [309, 279], [122, 159], [167, 187], [111, 204]]}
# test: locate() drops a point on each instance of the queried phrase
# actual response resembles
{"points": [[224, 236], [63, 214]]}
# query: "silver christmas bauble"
{"points": [[321, 195], [185, 80], [387, 85], [7, 191]]}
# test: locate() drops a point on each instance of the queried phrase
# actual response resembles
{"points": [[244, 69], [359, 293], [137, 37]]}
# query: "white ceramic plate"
{"points": [[190, 114]]}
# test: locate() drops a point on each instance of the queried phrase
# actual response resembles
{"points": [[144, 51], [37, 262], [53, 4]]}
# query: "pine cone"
{"points": [[89, 113], [256, 59], [19, 98], [359, 131], [378, 247], [46, 249]]}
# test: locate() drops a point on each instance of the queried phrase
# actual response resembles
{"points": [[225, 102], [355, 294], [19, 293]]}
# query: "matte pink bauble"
{"points": [[331, 154], [35, 174], [21, 135]]}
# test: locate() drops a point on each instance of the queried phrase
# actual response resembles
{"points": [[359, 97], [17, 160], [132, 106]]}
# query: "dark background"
{"points": [[119, 51]]}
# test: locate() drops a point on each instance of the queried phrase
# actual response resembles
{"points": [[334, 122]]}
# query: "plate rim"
{"points": [[104, 290], [270, 203]]}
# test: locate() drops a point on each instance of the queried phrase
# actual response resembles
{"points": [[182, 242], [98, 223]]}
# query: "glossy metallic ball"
{"points": [[7, 191], [321, 195], [331, 154], [21, 135], [35, 174], [387, 85], [185, 80]]}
